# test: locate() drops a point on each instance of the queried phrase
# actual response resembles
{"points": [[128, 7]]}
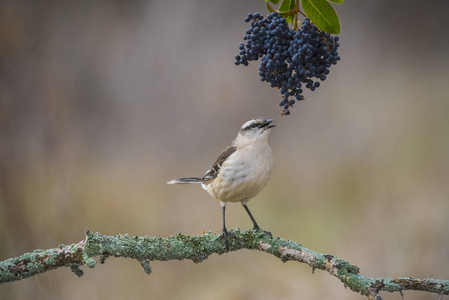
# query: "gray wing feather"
{"points": [[213, 171]]}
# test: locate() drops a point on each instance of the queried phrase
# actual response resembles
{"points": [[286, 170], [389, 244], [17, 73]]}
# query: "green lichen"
{"points": [[89, 262], [146, 266], [199, 248], [78, 272], [51, 260], [389, 284]]}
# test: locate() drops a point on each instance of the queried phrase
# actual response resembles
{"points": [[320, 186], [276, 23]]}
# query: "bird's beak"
{"points": [[267, 123]]}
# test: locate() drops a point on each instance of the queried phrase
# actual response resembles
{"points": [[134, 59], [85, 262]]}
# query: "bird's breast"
{"points": [[243, 175]]}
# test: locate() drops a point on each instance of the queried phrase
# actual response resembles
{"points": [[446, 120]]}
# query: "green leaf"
{"points": [[270, 9], [335, 1], [290, 19], [285, 8], [322, 14]]}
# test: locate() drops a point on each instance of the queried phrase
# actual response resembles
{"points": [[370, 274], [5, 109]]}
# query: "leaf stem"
{"points": [[293, 11]]}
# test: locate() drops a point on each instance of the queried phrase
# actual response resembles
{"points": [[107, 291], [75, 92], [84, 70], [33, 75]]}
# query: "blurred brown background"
{"points": [[102, 102]]}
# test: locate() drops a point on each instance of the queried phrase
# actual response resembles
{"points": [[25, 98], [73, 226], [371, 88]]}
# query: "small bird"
{"points": [[241, 171]]}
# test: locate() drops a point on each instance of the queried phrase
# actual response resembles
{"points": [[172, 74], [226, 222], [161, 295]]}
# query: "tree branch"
{"points": [[199, 248]]}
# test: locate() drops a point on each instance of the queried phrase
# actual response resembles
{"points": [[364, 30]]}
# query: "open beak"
{"points": [[267, 123]]}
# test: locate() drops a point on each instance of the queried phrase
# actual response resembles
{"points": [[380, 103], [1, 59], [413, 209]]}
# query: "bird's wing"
{"points": [[213, 171]]}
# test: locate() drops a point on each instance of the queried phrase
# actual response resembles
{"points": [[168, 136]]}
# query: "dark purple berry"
{"points": [[289, 59]]}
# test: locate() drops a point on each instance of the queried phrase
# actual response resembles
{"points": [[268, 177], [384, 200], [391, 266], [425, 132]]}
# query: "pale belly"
{"points": [[241, 180]]}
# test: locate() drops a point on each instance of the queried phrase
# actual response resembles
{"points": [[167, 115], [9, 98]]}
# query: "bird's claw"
{"points": [[257, 228], [224, 235]]}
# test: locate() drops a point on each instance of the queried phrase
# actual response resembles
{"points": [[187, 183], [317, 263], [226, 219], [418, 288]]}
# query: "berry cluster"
{"points": [[289, 59]]}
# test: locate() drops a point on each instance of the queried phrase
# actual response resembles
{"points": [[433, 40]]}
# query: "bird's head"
{"points": [[255, 129]]}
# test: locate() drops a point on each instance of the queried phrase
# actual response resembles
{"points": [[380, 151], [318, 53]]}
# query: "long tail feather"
{"points": [[185, 180]]}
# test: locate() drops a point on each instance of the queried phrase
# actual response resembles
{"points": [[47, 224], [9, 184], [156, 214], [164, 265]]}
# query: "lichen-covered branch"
{"points": [[199, 248], [40, 261]]}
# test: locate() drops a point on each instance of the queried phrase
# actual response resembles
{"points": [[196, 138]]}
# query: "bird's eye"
{"points": [[254, 125]]}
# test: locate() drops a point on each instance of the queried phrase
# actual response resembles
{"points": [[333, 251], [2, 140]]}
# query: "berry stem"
{"points": [[295, 11], [296, 15], [327, 44]]}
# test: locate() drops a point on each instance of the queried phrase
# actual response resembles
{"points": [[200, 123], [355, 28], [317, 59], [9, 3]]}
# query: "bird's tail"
{"points": [[185, 180]]}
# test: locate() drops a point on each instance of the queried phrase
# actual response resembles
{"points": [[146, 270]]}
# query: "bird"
{"points": [[241, 170]]}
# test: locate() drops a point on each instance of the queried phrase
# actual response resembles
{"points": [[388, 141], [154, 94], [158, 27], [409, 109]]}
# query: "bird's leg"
{"points": [[224, 231], [256, 226]]}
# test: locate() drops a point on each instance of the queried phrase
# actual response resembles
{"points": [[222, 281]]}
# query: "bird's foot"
{"points": [[224, 235], [257, 228]]}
